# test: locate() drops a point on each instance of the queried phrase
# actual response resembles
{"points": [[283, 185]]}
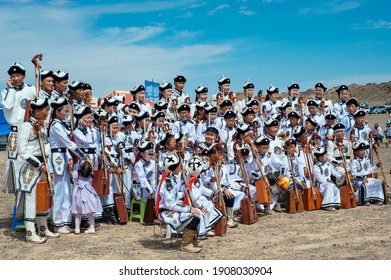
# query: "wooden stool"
{"points": [[161, 223]]}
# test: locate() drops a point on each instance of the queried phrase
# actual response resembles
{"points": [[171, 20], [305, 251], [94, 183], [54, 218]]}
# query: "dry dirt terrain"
{"points": [[359, 233]]}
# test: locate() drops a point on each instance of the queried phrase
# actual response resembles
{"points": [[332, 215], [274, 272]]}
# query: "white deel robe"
{"points": [[328, 190], [373, 190], [14, 101]]}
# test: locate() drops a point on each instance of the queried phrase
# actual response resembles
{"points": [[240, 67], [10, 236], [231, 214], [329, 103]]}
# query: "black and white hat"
{"points": [[359, 113], [312, 103], [206, 151], [127, 120], [252, 102], [201, 89], [112, 120], [141, 115], [248, 111], [164, 86], [359, 146], [87, 87], [161, 105], [248, 85], [136, 89], [311, 120], [157, 115], [81, 111], [134, 106], [225, 103], [100, 114], [320, 151], [290, 142], [144, 145], [45, 74], [59, 102], [330, 116], [120, 98], [298, 131], [277, 117], [293, 86], [165, 138], [352, 101], [341, 88], [180, 78], [262, 141], [212, 129], [224, 80], [60, 75], [184, 107], [39, 103], [194, 166], [111, 101], [269, 122], [171, 162], [272, 90], [293, 114], [285, 104], [16, 68], [200, 104], [210, 109], [321, 86], [76, 85], [338, 126], [229, 114], [243, 127]]}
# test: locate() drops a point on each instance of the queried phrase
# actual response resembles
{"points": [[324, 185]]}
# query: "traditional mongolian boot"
{"points": [[196, 242], [43, 229], [110, 216], [187, 242], [31, 235], [267, 209], [230, 218]]}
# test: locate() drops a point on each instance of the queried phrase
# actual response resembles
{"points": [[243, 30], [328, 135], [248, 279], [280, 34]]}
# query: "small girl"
{"points": [[84, 197]]}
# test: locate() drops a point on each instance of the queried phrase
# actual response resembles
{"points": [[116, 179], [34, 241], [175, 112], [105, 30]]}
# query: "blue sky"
{"points": [[114, 45]]}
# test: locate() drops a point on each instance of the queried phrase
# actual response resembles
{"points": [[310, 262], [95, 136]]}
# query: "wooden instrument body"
{"points": [[294, 201], [220, 228], [100, 182], [348, 198], [44, 197], [149, 215], [263, 191], [120, 208], [312, 199], [374, 175], [249, 211]]}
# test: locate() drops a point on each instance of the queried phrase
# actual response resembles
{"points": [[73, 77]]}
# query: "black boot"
{"points": [[109, 216]]}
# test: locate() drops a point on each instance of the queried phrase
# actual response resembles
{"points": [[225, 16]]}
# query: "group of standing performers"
{"points": [[198, 161]]}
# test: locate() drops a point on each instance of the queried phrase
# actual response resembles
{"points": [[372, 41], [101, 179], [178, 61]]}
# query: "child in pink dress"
{"points": [[85, 200]]}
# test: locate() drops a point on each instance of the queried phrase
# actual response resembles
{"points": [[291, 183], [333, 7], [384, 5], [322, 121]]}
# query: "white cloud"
{"points": [[332, 7], [185, 15], [217, 9], [245, 11], [372, 24], [135, 34], [195, 5], [108, 60]]}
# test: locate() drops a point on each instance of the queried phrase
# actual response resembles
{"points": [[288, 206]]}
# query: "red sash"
{"points": [[164, 176], [191, 181]]}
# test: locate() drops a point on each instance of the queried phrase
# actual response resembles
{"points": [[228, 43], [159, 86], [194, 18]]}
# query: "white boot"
{"points": [[77, 223], [230, 216], [43, 230], [31, 235], [91, 221]]}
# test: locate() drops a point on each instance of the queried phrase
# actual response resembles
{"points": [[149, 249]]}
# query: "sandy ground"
{"points": [[359, 233]]}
